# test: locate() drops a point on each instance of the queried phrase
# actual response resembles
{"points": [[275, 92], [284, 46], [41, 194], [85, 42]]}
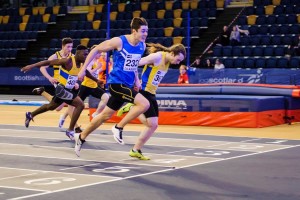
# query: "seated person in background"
{"points": [[196, 63], [235, 36], [183, 76], [224, 37], [208, 64], [219, 65]]}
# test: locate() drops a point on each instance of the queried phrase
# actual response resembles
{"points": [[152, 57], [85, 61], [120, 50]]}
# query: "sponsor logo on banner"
{"points": [[255, 78], [29, 78], [174, 104], [240, 78]]}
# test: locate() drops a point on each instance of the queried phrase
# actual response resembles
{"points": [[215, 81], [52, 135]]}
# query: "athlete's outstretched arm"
{"points": [[62, 62], [44, 71], [153, 58], [89, 75], [108, 45]]}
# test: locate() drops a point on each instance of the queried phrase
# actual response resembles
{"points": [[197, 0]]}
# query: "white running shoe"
{"points": [[78, 145], [118, 135], [94, 114], [61, 122], [70, 134]]}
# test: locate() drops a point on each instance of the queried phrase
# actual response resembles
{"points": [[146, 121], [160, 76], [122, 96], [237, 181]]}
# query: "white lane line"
{"points": [[99, 183], [241, 156], [180, 151], [57, 172], [17, 176], [84, 160], [251, 140], [222, 144], [79, 166], [21, 188], [24, 197], [131, 130], [226, 143], [150, 173], [160, 141], [68, 148]]}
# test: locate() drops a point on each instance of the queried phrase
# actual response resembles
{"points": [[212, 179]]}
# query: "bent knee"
{"points": [[81, 106], [105, 97], [152, 125]]}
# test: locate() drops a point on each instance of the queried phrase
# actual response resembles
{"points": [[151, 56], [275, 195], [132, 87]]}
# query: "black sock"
{"points": [[118, 127], [82, 141]]}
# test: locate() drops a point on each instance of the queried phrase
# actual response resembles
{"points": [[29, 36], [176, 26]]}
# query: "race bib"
{"points": [[71, 82], [95, 74], [158, 77], [131, 62]]}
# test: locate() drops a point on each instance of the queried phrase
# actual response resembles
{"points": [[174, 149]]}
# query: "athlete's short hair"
{"points": [[66, 41], [137, 22], [81, 47]]}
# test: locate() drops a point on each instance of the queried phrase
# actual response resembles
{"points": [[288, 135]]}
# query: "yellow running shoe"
{"points": [[124, 109], [138, 154]]}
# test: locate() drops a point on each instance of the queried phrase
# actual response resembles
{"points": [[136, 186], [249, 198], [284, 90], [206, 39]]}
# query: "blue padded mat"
{"points": [[220, 103]]}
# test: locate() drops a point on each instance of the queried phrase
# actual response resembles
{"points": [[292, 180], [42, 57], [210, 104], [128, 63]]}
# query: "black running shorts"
{"points": [[64, 95], [84, 92], [153, 108], [119, 95]]}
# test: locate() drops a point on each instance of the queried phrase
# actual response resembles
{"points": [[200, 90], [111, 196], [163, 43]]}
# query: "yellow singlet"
{"points": [[89, 82], [152, 75], [57, 67], [69, 78]]}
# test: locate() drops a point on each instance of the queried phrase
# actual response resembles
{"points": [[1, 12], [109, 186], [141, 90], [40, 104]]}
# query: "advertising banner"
{"points": [[13, 76]]}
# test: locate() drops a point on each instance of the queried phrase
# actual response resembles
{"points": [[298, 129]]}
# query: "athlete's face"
{"points": [[141, 34], [176, 59], [67, 48], [103, 55], [82, 54]]}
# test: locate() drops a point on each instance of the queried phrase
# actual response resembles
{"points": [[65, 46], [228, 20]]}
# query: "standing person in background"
{"points": [[183, 75], [102, 60], [128, 52], [156, 66]]}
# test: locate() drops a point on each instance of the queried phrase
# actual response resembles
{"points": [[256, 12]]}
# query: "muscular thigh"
{"points": [[153, 108], [119, 95]]}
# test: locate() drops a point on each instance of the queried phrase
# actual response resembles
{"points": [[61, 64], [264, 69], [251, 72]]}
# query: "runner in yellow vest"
{"points": [[65, 52], [156, 66], [91, 87], [67, 89]]}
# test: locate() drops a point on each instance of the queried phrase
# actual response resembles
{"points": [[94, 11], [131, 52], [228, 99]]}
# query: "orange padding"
{"points": [[220, 119], [294, 115], [231, 84], [296, 93]]}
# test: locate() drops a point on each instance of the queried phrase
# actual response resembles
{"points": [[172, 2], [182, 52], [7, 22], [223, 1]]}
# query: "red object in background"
{"points": [[183, 78]]}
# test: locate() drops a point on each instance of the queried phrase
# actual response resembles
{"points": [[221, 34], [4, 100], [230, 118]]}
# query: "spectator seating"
{"points": [[258, 62], [250, 51]]}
